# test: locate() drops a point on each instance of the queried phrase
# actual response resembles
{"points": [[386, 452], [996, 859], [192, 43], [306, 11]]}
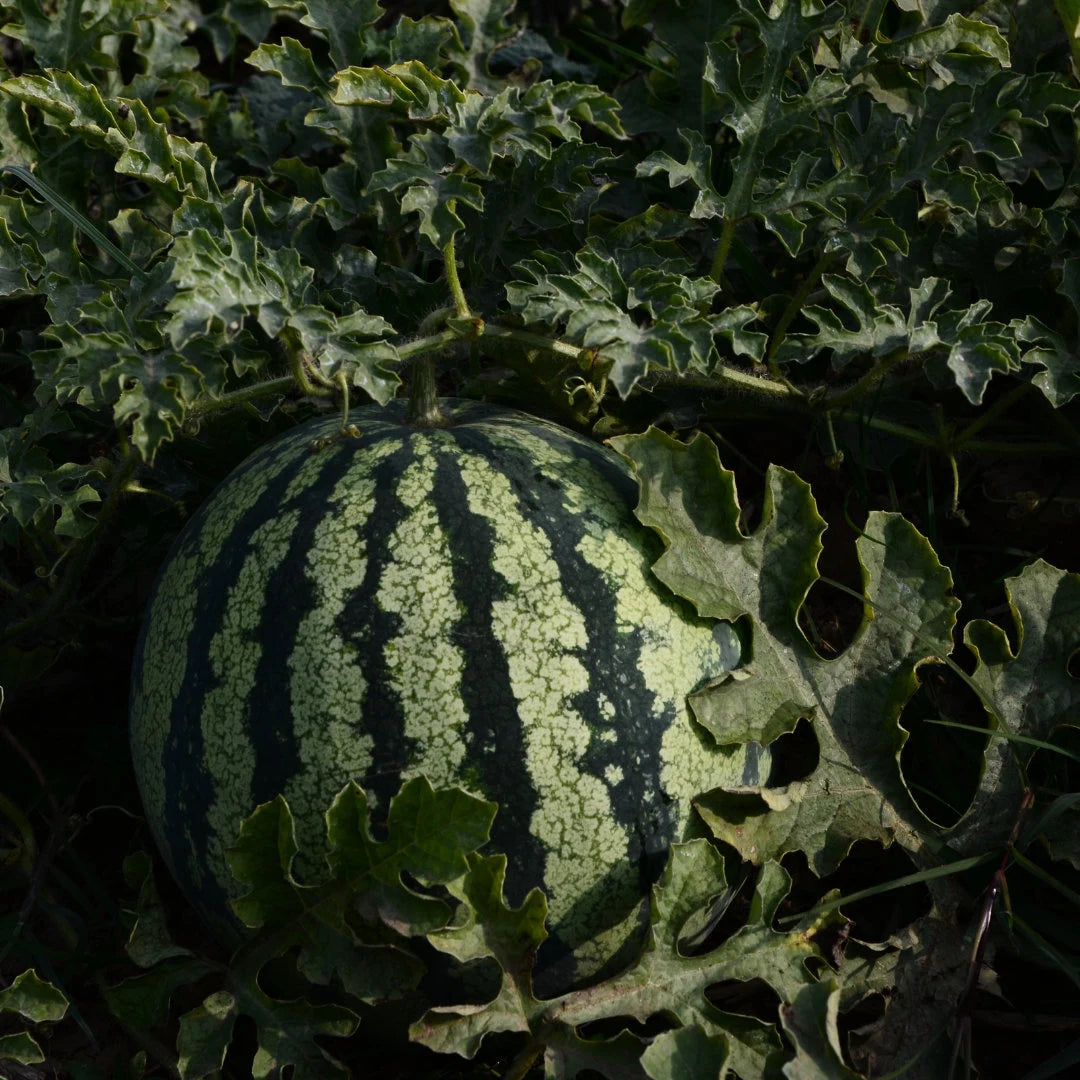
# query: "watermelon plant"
{"points": [[696, 695], [464, 594]]}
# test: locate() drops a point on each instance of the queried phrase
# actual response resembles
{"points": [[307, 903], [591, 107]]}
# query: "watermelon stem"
{"points": [[307, 373], [343, 386], [423, 394]]}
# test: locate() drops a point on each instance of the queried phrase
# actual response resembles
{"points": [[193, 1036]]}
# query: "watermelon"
{"points": [[471, 601]]}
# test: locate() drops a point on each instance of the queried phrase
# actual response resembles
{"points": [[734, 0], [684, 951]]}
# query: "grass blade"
{"points": [[897, 883], [1026, 739], [79, 220]]}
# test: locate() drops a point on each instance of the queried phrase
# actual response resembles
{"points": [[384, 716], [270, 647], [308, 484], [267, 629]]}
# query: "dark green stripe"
{"points": [[612, 658], [291, 595], [370, 628], [495, 740], [188, 783]]}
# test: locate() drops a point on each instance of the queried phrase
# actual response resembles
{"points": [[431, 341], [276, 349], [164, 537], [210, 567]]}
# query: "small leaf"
{"points": [[204, 1036], [149, 941], [810, 1022], [262, 858], [344, 23], [429, 835], [1031, 691], [292, 61], [21, 1047], [492, 929], [33, 998], [143, 1000], [687, 1053], [408, 87]]}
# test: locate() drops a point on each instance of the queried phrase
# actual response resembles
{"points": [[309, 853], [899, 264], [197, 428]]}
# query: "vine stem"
{"points": [[972, 446], [858, 389], [1003, 404], [450, 267], [241, 397], [978, 948], [723, 249], [423, 393], [736, 380], [535, 341], [795, 304], [343, 386], [308, 375]]}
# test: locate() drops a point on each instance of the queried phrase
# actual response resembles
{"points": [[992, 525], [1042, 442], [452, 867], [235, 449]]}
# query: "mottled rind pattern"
{"points": [[472, 602]]}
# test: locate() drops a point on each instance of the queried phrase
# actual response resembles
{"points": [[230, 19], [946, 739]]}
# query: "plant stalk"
{"points": [[859, 388], [241, 397], [423, 395], [723, 249], [795, 304], [450, 268]]}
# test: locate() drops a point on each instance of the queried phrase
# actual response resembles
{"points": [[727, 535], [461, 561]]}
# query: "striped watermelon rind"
{"points": [[471, 602]]}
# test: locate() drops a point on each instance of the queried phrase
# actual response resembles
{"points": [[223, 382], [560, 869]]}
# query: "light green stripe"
{"points": [[678, 651], [163, 670], [171, 623], [424, 666], [326, 685], [234, 654], [539, 628]]}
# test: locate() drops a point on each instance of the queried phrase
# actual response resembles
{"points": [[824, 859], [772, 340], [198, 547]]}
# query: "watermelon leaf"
{"points": [[143, 1000], [810, 1022], [65, 37], [856, 790], [286, 1033], [1032, 692], [591, 300], [687, 1053], [662, 982], [349, 927], [491, 929], [429, 835], [666, 982], [35, 1000], [149, 941]]}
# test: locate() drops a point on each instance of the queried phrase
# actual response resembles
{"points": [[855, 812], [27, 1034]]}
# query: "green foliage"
{"points": [[854, 699], [35, 1000], [836, 240]]}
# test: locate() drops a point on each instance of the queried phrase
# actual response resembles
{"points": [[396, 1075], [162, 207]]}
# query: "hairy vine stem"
{"points": [[732, 379], [859, 388], [240, 397], [450, 268], [723, 249]]}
